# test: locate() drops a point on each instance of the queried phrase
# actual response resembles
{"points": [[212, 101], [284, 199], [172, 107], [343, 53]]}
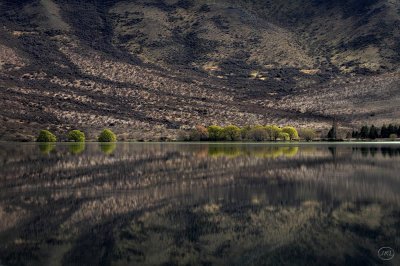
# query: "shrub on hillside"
{"points": [[393, 136], [76, 136], [107, 136], [46, 136]]}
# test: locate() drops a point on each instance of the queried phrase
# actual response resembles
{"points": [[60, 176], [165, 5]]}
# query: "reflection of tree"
{"points": [[46, 147], [290, 151], [254, 151], [107, 148], [76, 148]]}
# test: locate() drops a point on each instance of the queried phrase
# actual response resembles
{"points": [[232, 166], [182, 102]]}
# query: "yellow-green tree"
{"points": [[292, 132], [268, 129], [284, 136], [275, 132], [215, 133], [244, 131], [258, 134], [307, 134], [231, 133]]}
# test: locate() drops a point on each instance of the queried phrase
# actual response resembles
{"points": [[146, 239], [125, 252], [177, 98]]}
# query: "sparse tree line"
{"points": [[255, 133], [372, 132], [76, 136]]}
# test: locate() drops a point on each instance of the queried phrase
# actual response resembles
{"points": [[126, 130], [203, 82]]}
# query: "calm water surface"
{"points": [[199, 204]]}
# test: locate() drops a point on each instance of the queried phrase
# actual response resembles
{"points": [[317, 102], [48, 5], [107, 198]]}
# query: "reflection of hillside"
{"points": [[65, 195]]}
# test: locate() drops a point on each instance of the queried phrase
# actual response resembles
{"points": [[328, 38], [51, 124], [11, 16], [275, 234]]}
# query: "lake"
{"points": [[200, 204]]}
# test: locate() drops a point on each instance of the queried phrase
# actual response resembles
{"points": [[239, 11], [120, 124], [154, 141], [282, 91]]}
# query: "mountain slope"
{"points": [[148, 68]]}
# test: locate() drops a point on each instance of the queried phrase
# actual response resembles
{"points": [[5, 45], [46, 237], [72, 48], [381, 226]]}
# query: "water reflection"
{"points": [[215, 150], [191, 204], [107, 148], [45, 148], [76, 148]]}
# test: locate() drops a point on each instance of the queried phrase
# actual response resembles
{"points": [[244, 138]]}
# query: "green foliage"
{"points": [[307, 134], [215, 150], [46, 136], [46, 147], [215, 133], [244, 132], [231, 133], [269, 131], [257, 134], [107, 136], [291, 131], [393, 136], [76, 136], [284, 136], [107, 148], [76, 148], [275, 132]]}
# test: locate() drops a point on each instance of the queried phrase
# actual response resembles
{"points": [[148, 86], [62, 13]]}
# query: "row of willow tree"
{"points": [[372, 132], [233, 133]]}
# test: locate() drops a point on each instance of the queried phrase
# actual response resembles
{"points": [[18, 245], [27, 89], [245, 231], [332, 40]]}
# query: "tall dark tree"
{"points": [[373, 132], [384, 131], [364, 132], [391, 130], [332, 134]]}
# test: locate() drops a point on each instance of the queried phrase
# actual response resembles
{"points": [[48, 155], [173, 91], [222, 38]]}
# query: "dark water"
{"points": [[199, 204]]}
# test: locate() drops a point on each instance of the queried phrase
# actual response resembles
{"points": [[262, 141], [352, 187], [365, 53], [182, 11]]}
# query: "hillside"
{"points": [[147, 68]]}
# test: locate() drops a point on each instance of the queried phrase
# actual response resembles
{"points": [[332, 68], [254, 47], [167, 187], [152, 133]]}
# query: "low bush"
{"points": [[46, 136], [76, 136], [107, 136]]}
